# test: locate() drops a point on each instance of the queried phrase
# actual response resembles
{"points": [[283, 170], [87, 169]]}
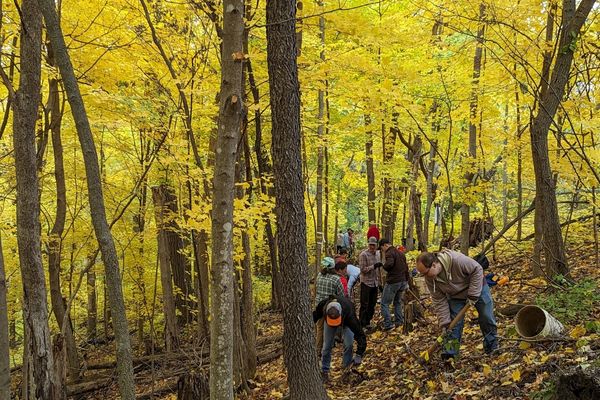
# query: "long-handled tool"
{"points": [[440, 339]]}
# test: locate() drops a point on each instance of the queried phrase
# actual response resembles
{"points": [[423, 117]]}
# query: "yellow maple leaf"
{"points": [[431, 386], [524, 345], [516, 375], [578, 332], [486, 370]]}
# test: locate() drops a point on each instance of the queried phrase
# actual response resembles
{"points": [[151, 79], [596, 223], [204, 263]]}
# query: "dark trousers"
{"points": [[368, 299]]}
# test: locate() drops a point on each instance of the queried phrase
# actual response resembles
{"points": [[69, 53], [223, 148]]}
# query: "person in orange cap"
{"points": [[338, 312]]}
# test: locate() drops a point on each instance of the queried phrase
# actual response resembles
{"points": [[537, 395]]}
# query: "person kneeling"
{"points": [[339, 314]]}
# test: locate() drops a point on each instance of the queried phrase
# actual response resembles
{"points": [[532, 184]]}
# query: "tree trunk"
{"points": [[319, 236], [40, 371], [431, 192], [139, 220], [519, 162], [4, 341], [92, 304], [96, 199], [505, 170], [222, 284], [387, 207], [572, 21], [298, 336], [248, 327], [370, 172], [326, 243], [54, 245], [174, 245], [594, 221], [240, 377], [538, 223], [200, 240], [414, 213], [264, 168], [465, 209], [162, 197]]}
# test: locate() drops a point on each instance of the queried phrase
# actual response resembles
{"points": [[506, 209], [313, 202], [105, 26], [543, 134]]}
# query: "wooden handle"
{"points": [[455, 321]]}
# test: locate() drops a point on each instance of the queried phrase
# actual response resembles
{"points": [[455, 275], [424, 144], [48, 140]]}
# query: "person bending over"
{"points": [[454, 280], [338, 313]]}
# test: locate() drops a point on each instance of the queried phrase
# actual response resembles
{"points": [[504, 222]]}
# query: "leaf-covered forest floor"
{"points": [[522, 370]]}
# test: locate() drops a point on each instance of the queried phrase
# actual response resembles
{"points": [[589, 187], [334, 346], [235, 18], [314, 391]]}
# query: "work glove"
{"points": [[377, 265], [357, 360], [472, 300]]}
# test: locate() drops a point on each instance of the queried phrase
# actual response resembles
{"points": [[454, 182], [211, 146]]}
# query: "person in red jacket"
{"points": [[373, 231], [340, 269]]}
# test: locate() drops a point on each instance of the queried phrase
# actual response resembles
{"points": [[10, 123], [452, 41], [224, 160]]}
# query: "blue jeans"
{"points": [[393, 292], [487, 323], [328, 340]]}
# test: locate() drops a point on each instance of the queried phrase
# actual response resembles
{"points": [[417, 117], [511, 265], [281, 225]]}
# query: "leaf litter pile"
{"points": [[522, 369]]}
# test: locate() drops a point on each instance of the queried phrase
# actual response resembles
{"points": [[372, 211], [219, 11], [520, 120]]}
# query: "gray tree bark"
{"points": [[4, 341], [55, 240], [473, 107], [319, 234], [161, 197], [39, 373], [229, 126], [264, 169], [370, 172], [298, 337], [388, 138], [96, 199], [92, 303], [572, 21]]}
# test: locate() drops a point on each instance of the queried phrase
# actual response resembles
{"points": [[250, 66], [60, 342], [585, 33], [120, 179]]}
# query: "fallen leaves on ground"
{"points": [[390, 371]]}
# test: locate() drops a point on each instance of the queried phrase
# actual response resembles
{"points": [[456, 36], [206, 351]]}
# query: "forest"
{"points": [[179, 178]]}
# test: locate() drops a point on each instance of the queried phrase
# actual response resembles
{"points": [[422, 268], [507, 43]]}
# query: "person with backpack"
{"points": [[338, 312], [395, 285], [453, 279]]}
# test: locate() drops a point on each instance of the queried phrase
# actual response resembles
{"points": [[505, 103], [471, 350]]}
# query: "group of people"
{"points": [[452, 278], [345, 240]]}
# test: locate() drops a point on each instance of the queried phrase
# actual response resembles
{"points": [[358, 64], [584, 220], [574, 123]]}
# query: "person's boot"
{"points": [[325, 377]]}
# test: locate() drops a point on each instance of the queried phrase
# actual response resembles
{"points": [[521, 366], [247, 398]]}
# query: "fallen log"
{"points": [[172, 385], [86, 387], [178, 355], [146, 359], [565, 223]]}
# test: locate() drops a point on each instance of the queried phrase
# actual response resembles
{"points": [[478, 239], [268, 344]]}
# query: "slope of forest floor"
{"points": [[521, 370], [389, 370]]}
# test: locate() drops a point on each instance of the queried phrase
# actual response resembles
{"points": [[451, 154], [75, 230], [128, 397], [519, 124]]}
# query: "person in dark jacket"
{"points": [[338, 312], [395, 286]]}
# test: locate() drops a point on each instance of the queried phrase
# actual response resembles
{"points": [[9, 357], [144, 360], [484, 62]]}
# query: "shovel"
{"points": [[440, 339]]}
